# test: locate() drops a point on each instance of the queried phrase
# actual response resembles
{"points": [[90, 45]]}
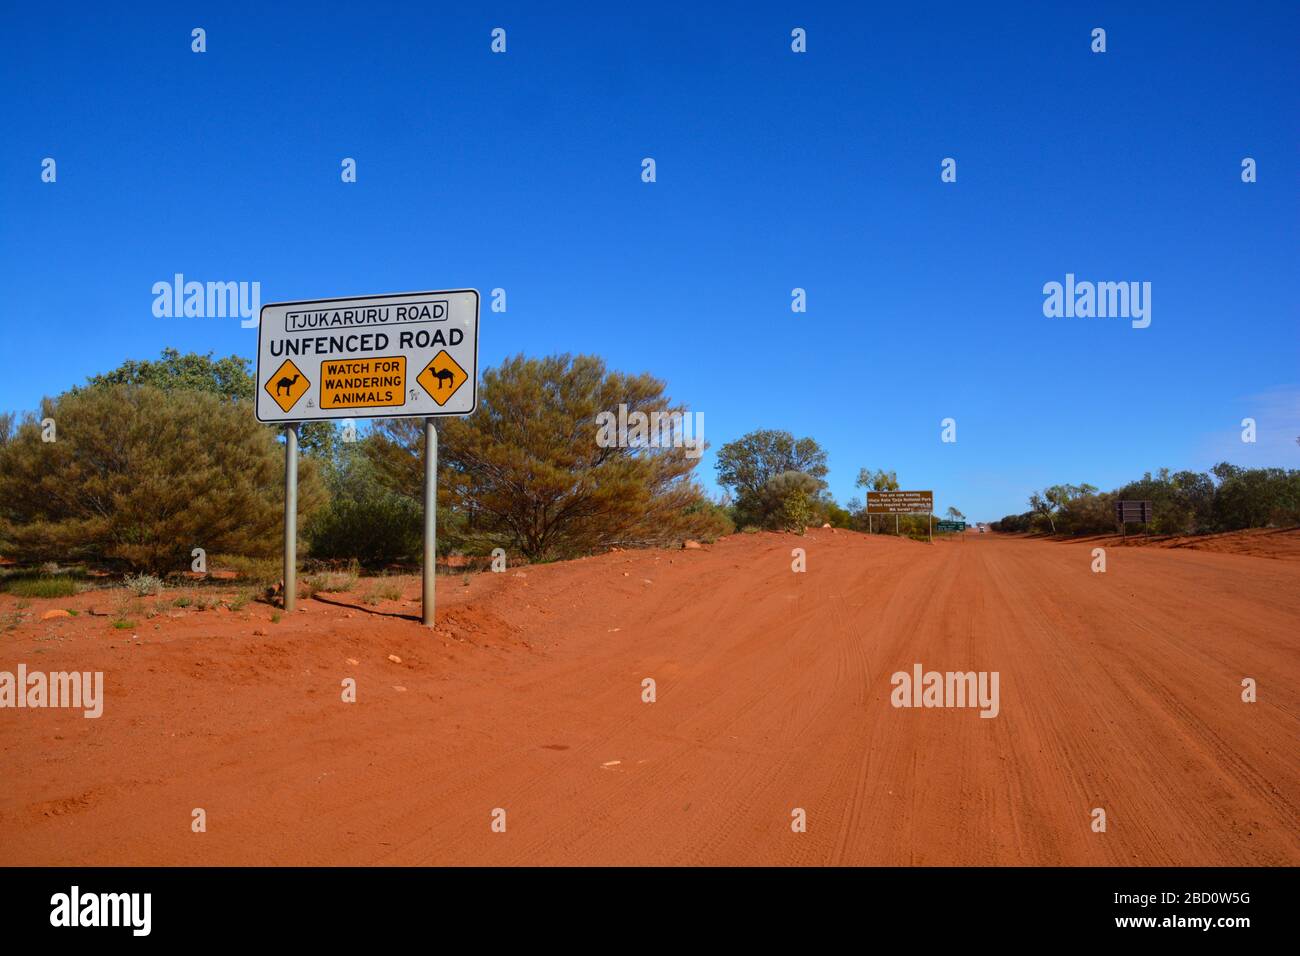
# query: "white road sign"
{"points": [[373, 356]]}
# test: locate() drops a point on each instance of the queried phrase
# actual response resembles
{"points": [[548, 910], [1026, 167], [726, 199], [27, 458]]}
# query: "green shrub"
{"points": [[787, 501], [1227, 498], [42, 587], [139, 477], [712, 521], [380, 526]]}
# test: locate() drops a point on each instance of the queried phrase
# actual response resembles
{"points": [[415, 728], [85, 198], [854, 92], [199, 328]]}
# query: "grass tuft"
{"points": [[43, 587]]}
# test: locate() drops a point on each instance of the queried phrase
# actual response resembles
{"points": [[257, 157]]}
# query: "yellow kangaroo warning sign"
{"points": [[442, 377], [363, 383], [287, 385]]}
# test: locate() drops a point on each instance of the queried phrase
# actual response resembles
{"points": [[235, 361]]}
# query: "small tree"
{"points": [[227, 378], [1040, 506], [527, 467], [880, 480], [1051, 500], [751, 461], [750, 464]]}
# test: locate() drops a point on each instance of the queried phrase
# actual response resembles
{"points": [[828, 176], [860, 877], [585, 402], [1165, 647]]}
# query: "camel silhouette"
{"points": [[285, 383], [441, 374]]}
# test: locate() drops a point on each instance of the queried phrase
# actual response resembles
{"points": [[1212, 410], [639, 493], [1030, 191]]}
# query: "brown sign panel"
{"points": [[900, 502], [1133, 511]]}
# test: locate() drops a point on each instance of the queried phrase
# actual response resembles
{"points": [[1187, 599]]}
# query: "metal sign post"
{"points": [[290, 595], [430, 521]]}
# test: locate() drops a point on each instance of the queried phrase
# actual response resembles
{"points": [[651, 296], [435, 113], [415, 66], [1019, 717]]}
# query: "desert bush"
{"points": [[714, 520], [381, 527], [143, 584], [1012, 523], [364, 519], [139, 477], [837, 516], [1087, 514], [1255, 497], [786, 501], [1227, 498]]}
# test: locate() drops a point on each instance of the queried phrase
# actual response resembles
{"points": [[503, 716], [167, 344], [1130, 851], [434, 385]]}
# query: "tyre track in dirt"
{"points": [[1119, 690]]}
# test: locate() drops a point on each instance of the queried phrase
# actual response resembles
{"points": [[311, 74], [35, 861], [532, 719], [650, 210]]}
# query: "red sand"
{"points": [[1118, 690], [1280, 543]]}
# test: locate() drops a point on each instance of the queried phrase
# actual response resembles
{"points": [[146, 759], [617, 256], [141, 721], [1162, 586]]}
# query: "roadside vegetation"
{"points": [[42, 587], [1226, 498], [153, 459]]}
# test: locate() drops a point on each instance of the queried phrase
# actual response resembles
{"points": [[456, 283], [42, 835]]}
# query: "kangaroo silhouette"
{"points": [[442, 374], [285, 383]]}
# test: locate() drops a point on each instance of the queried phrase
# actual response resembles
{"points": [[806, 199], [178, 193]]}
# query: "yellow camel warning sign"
{"points": [[442, 377], [287, 385]]}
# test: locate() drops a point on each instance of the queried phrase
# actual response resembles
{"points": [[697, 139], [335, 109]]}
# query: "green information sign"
{"points": [[942, 526]]}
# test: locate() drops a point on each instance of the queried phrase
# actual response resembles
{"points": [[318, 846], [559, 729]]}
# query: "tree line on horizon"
{"points": [[154, 458], [157, 457], [1226, 498]]}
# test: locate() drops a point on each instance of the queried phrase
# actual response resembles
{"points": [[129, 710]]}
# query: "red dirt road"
{"points": [[1119, 690]]}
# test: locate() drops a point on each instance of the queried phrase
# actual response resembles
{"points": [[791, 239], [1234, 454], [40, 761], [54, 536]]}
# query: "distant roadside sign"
{"points": [[942, 526], [375, 356], [1139, 512], [900, 502]]}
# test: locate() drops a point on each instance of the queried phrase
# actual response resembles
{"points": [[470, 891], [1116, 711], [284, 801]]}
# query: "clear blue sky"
{"points": [[775, 170]]}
